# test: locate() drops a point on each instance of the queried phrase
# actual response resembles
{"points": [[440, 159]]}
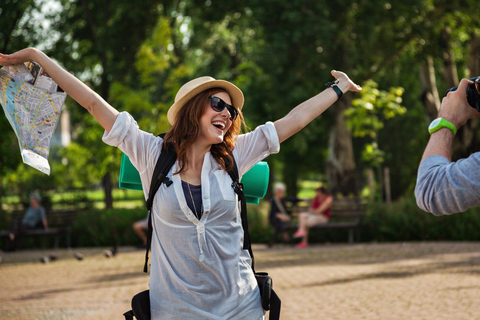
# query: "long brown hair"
{"points": [[184, 132]]}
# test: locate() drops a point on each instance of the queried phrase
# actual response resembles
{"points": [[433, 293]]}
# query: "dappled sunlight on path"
{"points": [[364, 281]]}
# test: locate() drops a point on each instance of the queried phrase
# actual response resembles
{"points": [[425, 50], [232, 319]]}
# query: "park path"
{"points": [[363, 281]]}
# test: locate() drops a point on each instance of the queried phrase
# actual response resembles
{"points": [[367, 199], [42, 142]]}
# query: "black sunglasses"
{"points": [[218, 105]]}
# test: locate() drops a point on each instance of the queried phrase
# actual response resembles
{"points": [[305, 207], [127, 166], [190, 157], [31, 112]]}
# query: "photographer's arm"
{"points": [[440, 143], [104, 113], [445, 187], [456, 110], [305, 112]]}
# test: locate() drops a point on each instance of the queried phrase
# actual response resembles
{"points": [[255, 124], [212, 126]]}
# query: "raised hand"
{"points": [[344, 82], [455, 107], [18, 57], [104, 113]]}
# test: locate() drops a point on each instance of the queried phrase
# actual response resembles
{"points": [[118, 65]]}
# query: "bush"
{"points": [[400, 221], [404, 221], [99, 227], [105, 227], [258, 225]]}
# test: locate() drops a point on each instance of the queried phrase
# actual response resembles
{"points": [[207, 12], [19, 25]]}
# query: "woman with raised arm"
{"points": [[199, 269]]}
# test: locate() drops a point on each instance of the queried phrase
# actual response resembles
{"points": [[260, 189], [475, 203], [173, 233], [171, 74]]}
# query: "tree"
{"points": [[99, 40], [367, 117], [18, 29], [279, 51]]}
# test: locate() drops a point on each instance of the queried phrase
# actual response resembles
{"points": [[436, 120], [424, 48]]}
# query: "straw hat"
{"points": [[195, 86]]}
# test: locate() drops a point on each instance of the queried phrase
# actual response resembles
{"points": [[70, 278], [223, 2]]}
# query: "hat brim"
{"points": [[235, 94]]}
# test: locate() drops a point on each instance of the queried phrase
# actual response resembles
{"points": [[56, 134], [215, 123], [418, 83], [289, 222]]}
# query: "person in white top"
{"points": [[199, 269]]}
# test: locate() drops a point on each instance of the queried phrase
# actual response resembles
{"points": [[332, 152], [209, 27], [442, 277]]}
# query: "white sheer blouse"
{"points": [[198, 267]]}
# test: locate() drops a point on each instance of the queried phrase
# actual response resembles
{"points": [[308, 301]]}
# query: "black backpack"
{"points": [[141, 301]]}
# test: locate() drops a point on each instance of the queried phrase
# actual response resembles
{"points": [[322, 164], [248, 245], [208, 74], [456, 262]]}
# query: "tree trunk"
{"points": [[14, 17], [430, 99], [1, 194], [105, 90], [107, 187], [290, 177], [341, 162], [451, 75], [388, 192], [371, 184], [106, 180], [272, 179], [99, 41], [381, 188], [473, 60]]}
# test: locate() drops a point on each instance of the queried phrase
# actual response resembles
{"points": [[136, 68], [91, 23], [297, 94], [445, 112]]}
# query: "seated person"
{"points": [[141, 227], [319, 213], [35, 218], [278, 217]]}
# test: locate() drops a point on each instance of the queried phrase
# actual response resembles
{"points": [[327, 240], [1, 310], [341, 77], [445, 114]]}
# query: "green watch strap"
{"points": [[440, 123]]}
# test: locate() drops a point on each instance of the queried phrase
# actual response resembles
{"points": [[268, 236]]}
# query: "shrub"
{"points": [[105, 227], [258, 225], [99, 227], [399, 221], [404, 221]]}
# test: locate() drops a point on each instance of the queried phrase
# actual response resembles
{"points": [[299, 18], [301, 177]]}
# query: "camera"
{"points": [[473, 93]]}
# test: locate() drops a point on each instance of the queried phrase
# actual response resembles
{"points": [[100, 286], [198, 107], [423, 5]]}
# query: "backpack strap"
{"points": [[128, 315], [165, 162], [238, 188], [275, 306], [275, 302]]}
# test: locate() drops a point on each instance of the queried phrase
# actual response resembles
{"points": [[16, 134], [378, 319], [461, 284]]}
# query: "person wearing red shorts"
{"points": [[319, 213]]}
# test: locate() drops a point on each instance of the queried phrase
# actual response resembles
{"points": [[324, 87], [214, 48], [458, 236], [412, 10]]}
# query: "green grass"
{"points": [[97, 195], [126, 199], [307, 189], [122, 198]]}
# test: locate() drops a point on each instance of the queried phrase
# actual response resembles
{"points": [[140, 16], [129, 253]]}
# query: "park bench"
{"points": [[346, 213], [59, 226]]}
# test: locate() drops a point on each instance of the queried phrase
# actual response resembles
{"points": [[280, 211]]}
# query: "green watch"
{"points": [[440, 123]]}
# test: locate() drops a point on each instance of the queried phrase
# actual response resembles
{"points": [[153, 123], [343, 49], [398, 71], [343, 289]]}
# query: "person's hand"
{"points": [[455, 107], [283, 217], [18, 57], [344, 82]]}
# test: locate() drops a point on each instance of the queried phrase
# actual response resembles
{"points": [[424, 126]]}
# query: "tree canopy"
{"points": [[405, 54]]}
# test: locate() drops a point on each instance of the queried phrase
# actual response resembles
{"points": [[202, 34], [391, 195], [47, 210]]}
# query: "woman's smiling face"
{"points": [[213, 124]]}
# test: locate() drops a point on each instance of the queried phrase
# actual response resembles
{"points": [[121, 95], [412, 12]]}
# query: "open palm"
{"points": [[345, 82]]}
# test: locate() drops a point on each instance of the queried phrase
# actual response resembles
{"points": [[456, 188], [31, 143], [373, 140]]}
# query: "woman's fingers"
{"points": [[3, 59], [341, 76], [7, 59], [15, 58], [356, 87]]}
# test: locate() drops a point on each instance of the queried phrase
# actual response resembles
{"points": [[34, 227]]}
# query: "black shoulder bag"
{"points": [[141, 301]]}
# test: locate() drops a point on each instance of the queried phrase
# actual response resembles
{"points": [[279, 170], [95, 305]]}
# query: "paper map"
{"points": [[32, 104]]}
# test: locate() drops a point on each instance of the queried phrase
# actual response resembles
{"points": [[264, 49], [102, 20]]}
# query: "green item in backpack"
{"points": [[255, 181]]}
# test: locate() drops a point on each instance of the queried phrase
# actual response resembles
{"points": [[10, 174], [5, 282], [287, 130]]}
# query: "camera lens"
{"points": [[477, 84]]}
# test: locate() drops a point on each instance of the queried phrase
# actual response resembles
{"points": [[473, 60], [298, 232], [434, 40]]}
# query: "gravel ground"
{"points": [[364, 281]]}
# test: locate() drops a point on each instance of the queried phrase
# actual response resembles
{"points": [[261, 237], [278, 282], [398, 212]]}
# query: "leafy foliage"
{"points": [[137, 55], [368, 115], [404, 221]]}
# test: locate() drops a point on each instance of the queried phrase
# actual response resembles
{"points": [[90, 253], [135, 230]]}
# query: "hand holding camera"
{"points": [[461, 103]]}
